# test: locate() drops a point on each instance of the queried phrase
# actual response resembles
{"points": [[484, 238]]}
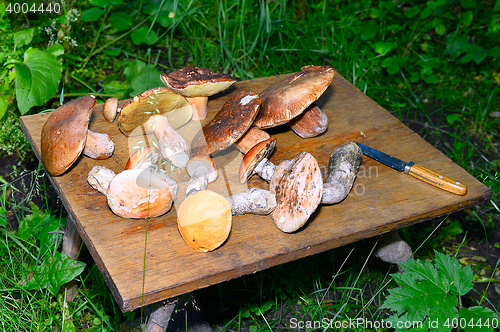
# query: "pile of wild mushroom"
{"points": [[144, 189]]}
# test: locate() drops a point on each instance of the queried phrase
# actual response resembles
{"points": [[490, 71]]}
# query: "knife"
{"points": [[419, 172]]}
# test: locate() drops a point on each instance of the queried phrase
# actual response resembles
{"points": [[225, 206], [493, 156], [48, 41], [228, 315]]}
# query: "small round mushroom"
{"points": [[65, 134], [160, 100], [202, 171], [135, 193], [204, 220], [288, 98], [343, 167], [173, 146], [228, 125], [110, 109], [312, 122], [256, 161], [298, 192], [197, 84], [252, 137], [252, 201]]}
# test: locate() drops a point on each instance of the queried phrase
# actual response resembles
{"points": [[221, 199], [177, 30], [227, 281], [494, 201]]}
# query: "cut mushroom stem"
{"points": [[252, 201], [265, 169], [202, 171], [99, 178], [343, 167], [312, 122], [98, 145], [200, 107]]}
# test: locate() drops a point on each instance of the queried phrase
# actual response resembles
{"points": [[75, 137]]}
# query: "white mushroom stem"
{"points": [[98, 145], [252, 201], [173, 147], [99, 178], [199, 106], [337, 186], [265, 169], [198, 181]]}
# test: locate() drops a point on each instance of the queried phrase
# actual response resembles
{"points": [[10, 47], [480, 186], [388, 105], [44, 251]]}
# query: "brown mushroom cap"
{"points": [[203, 161], [139, 193], [288, 98], [204, 220], [160, 100], [110, 109], [64, 134], [254, 157], [298, 191], [197, 81], [228, 125]]}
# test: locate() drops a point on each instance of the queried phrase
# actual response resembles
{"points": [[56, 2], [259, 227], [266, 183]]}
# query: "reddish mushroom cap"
{"points": [[288, 98], [254, 157]]}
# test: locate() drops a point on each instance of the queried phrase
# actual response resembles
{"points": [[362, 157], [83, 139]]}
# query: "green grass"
{"points": [[434, 65]]}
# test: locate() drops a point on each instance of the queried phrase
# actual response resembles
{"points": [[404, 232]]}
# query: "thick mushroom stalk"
{"points": [[99, 178], [343, 167], [173, 147], [98, 145], [203, 171], [252, 201], [200, 107], [312, 122]]}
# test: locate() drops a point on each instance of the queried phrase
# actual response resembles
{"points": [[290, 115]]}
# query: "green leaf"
{"points": [[23, 37], [392, 64], [368, 30], [383, 47], [54, 272], [165, 16], [142, 77], [456, 44], [37, 79], [4, 104], [467, 18], [477, 55], [426, 12], [144, 35], [497, 6], [112, 51], [460, 278], [440, 29], [413, 11], [100, 3], [121, 21], [478, 319], [468, 3], [56, 49], [92, 14]]}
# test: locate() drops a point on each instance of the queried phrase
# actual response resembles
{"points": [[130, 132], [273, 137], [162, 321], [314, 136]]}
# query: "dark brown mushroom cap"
{"points": [[298, 191], [254, 156], [197, 81], [288, 98], [160, 100], [64, 134], [228, 125]]}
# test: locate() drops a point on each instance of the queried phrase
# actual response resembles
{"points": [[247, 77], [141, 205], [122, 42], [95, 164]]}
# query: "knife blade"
{"points": [[422, 173]]}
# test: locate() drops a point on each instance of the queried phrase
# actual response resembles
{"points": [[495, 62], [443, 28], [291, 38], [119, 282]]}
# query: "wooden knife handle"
{"points": [[437, 180]]}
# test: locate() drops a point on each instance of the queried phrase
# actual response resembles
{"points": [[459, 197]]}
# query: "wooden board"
{"points": [[140, 271]]}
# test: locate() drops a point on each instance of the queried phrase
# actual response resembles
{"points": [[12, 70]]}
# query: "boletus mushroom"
{"points": [[312, 122], [110, 109], [290, 97], [252, 137], [202, 171], [134, 193], [160, 100], [65, 135], [197, 84], [228, 125]]}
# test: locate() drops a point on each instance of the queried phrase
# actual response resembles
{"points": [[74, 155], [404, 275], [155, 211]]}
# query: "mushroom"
{"points": [[256, 161], [65, 135], [298, 189], [202, 171], [110, 109], [312, 122], [173, 147], [252, 201], [197, 84], [134, 193], [160, 100], [288, 98], [343, 167], [228, 125], [142, 158], [204, 220], [252, 137]]}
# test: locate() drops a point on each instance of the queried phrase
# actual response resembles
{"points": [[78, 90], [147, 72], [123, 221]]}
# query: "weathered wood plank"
{"points": [[382, 200]]}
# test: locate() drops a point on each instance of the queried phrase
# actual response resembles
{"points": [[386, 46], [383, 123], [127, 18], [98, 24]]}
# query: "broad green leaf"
{"points": [[456, 44], [477, 55], [494, 52], [23, 37], [431, 79], [368, 30], [144, 35], [100, 3], [413, 11], [56, 49], [165, 16], [92, 14], [497, 6], [468, 3], [426, 12], [478, 319], [4, 104], [392, 64], [383, 47], [50, 235], [121, 21], [37, 79], [142, 77], [440, 29], [467, 18], [112, 51]]}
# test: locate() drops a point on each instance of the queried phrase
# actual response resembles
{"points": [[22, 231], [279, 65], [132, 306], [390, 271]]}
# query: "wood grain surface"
{"points": [[130, 252]]}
